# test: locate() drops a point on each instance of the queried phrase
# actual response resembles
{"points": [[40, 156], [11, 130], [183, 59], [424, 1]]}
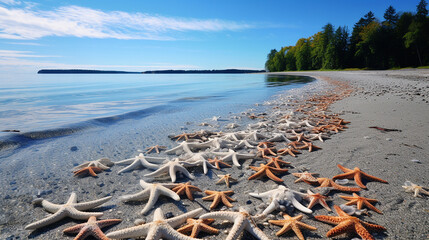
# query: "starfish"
{"points": [[299, 137], [155, 148], [233, 156], [185, 136], [305, 123], [276, 161], [218, 143], [218, 162], [346, 224], [70, 209], [91, 228], [140, 161], [242, 221], [357, 174], [158, 228], [360, 201], [265, 170], [196, 225], [254, 136], [317, 198], [102, 163], [265, 144], [293, 223], [327, 182], [319, 136], [416, 189], [172, 167], [264, 152], [245, 143], [182, 188], [183, 147], [278, 137], [296, 144], [288, 150], [151, 191], [226, 178], [91, 170], [219, 196], [199, 159], [305, 176], [309, 146], [278, 196]]}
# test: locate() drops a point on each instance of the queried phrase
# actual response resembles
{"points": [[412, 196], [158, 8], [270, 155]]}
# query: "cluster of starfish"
{"points": [[284, 136]]}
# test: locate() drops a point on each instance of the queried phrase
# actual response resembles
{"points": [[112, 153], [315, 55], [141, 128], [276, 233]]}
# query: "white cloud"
{"points": [[79, 21]]}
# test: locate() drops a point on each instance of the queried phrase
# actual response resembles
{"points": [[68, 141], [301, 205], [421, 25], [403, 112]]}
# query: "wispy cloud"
{"points": [[27, 23]]}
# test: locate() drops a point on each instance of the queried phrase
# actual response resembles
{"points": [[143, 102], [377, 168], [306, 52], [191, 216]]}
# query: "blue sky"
{"points": [[145, 35]]}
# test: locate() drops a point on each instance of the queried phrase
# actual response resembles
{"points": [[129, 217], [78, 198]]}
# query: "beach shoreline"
{"points": [[387, 99]]}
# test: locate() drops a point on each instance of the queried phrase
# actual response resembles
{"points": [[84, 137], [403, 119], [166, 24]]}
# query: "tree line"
{"points": [[401, 40]]}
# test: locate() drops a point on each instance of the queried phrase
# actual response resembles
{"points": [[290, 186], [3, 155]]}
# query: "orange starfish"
{"points": [[196, 225], [157, 149], [305, 177], [217, 162], [288, 150], [219, 196], [293, 223], [263, 152], [182, 188], [91, 228], [317, 198], [347, 224], [327, 182], [91, 170], [226, 178], [276, 161], [185, 136], [265, 170], [360, 201], [357, 174], [309, 146], [265, 144]]}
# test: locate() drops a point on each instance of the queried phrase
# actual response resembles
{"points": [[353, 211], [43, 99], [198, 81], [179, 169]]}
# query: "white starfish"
{"points": [[319, 136], [234, 136], [199, 159], [140, 161], [416, 189], [102, 163], [232, 125], [158, 228], [172, 167], [278, 196], [258, 125], [285, 123], [278, 137], [245, 143], [242, 221], [184, 147], [233, 156], [255, 136], [70, 209], [305, 123], [217, 143]]}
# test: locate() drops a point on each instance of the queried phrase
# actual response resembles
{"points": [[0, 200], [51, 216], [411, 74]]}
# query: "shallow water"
{"points": [[44, 106]]}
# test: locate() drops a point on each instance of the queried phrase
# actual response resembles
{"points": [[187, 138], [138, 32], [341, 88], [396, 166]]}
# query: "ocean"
{"points": [[42, 106]]}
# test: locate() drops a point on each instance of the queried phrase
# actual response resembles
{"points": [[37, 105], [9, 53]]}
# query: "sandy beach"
{"points": [[396, 100]]}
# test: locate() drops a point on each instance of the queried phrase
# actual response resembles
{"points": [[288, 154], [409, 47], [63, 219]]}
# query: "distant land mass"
{"points": [[84, 71]]}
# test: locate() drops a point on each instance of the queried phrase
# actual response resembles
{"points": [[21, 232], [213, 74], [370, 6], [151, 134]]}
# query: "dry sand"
{"points": [[388, 99]]}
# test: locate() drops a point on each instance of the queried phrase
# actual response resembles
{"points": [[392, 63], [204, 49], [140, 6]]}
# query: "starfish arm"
{"points": [[176, 221], [238, 227], [142, 195], [225, 200], [272, 176], [221, 215], [182, 170], [341, 228], [188, 228], [98, 234], [255, 231], [348, 175], [342, 188], [75, 228], [159, 171], [153, 197], [291, 197], [329, 219], [235, 160], [131, 232], [91, 204], [264, 194], [47, 221], [370, 206], [107, 222], [126, 161], [362, 232], [271, 207], [286, 226], [258, 174], [373, 227], [101, 166], [306, 226], [169, 193], [366, 175], [145, 163], [50, 207], [325, 205], [79, 215]]}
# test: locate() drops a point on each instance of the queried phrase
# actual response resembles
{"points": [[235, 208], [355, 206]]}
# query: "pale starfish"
{"points": [[91, 170], [416, 189], [194, 226], [258, 125], [319, 136], [218, 163], [234, 136], [245, 143], [357, 174], [184, 147], [299, 137], [255, 136], [278, 137], [91, 228], [305, 123], [265, 170], [158, 228], [70, 209], [200, 159], [217, 197], [348, 224], [242, 221], [233, 156], [280, 195], [315, 198], [305, 177], [155, 148], [102, 163], [172, 167], [151, 191], [140, 161], [293, 223], [226, 178], [218, 143], [185, 188], [360, 201]]}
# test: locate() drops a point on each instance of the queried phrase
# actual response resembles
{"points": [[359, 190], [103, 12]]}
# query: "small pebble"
{"points": [[388, 139], [74, 149], [416, 161]]}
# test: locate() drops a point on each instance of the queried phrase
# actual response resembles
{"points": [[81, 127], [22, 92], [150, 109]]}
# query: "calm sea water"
{"points": [[37, 103]]}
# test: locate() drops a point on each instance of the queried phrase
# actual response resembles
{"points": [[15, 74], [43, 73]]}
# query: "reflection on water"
{"points": [[273, 80]]}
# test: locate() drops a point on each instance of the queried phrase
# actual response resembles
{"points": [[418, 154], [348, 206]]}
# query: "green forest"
{"points": [[400, 40]]}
